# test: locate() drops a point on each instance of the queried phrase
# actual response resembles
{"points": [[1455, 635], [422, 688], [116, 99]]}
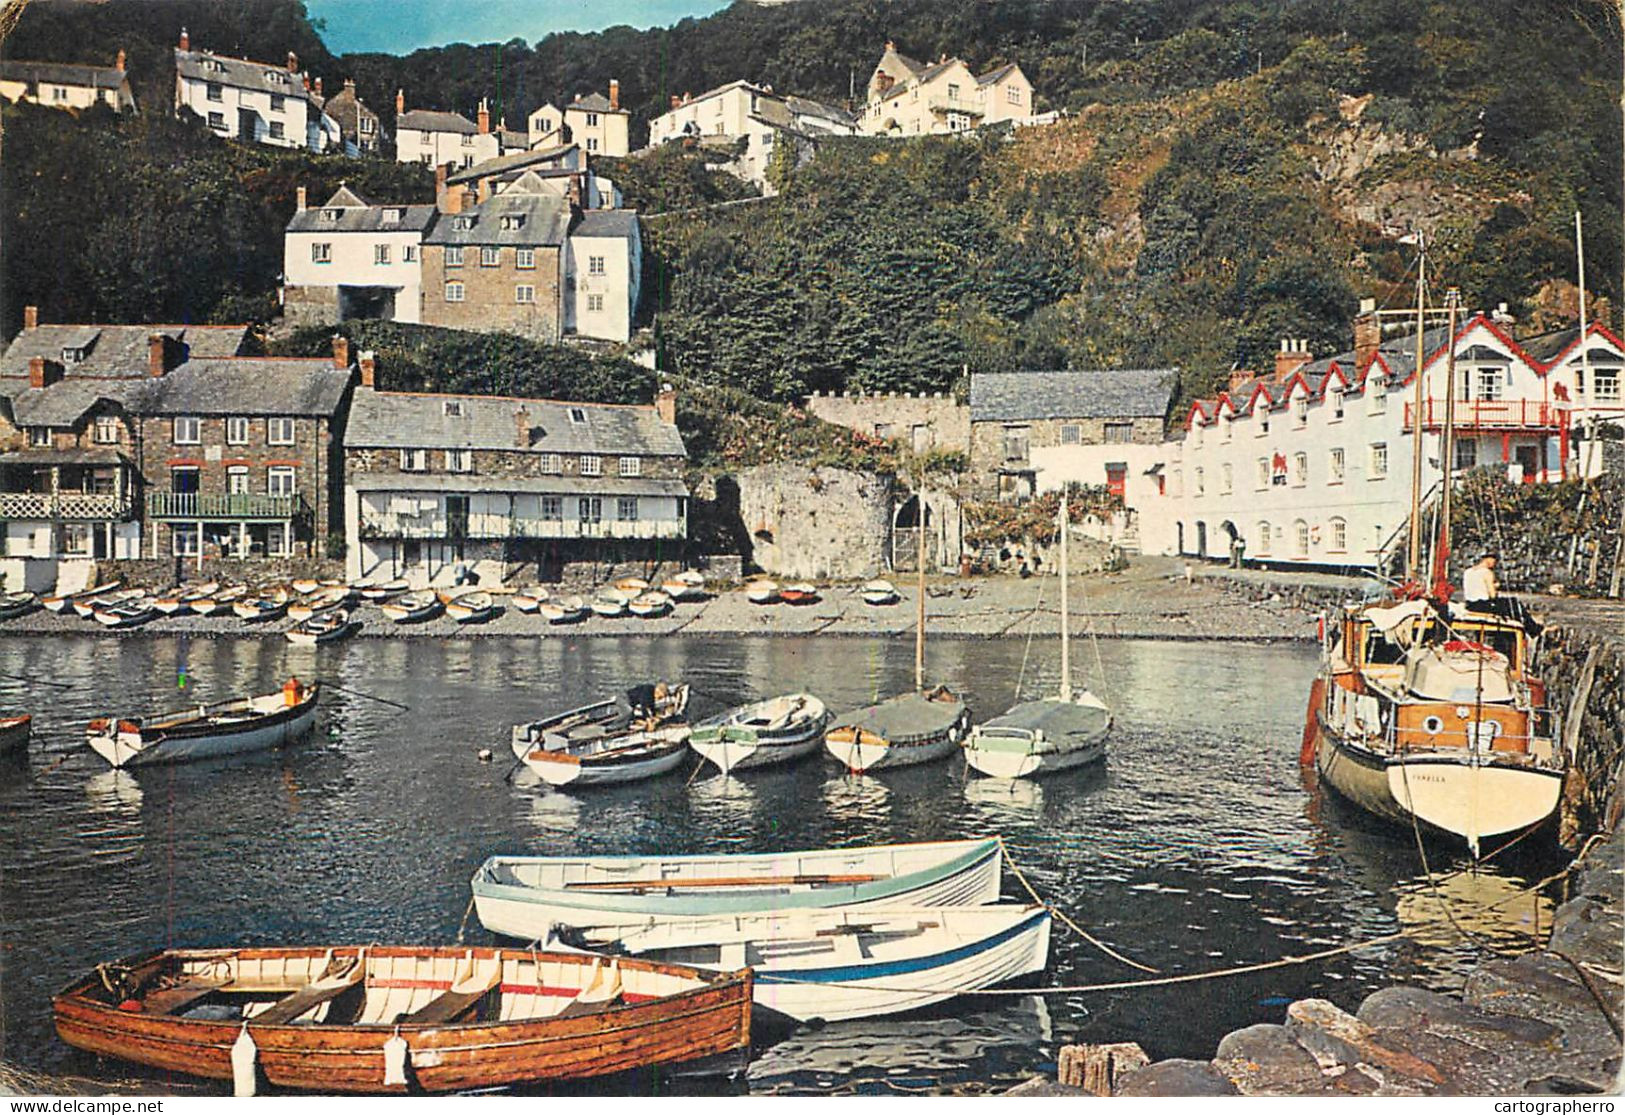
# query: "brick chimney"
{"points": [[1367, 334], [1294, 354], [666, 404], [349, 85], [891, 47], [164, 354], [317, 83], [484, 118], [883, 82], [300, 197], [293, 62], [30, 317], [400, 102], [1240, 379], [614, 93], [43, 372], [369, 369], [341, 351], [118, 63], [521, 428], [186, 40], [575, 193]]}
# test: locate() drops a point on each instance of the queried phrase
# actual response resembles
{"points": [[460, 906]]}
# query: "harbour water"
{"points": [[1197, 846]]}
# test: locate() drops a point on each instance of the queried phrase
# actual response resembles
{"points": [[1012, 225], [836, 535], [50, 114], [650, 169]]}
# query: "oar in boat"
{"points": [[38, 681], [731, 881]]}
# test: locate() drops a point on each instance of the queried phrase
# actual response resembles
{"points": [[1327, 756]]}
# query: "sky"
{"points": [[402, 26]]}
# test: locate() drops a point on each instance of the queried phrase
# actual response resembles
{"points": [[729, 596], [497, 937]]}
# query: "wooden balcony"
{"points": [[498, 527], [196, 505], [1487, 414], [87, 506]]}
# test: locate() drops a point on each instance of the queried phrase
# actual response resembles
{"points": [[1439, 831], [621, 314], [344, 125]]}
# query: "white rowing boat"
{"points": [[767, 733], [209, 731], [327, 627], [414, 607], [470, 607]]}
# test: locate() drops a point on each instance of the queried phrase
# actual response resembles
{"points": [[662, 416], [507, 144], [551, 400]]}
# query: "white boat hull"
{"points": [[735, 754], [560, 769], [1029, 764], [123, 749]]}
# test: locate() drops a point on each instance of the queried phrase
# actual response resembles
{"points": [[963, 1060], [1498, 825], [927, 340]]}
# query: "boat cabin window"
{"points": [[1378, 651]]}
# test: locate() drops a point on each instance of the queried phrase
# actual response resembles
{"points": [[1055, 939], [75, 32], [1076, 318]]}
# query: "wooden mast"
{"points": [[1066, 643], [919, 603], [1413, 551], [1447, 455]]}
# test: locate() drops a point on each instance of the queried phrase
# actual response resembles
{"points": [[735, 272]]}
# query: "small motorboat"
{"points": [[379, 591], [208, 731], [839, 964], [800, 593], [470, 607], [14, 604], [385, 1018], [607, 605], [646, 705], [879, 594], [762, 592], [529, 598], [526, 896], [413, 607], [221, 601], [258, 609], [327, 627], [14, 733], [651, 605], [767, 733], [131, 612], [687, 585], [571, 609]]}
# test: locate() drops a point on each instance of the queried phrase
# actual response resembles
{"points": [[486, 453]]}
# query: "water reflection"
{"points": [[114, 791]]}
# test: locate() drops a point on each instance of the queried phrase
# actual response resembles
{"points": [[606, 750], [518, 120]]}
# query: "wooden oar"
{"points": [[38, 681], [368, 696], [733, 881]]}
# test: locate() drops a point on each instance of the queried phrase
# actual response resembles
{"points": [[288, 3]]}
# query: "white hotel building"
{"points": [[1312, 465]]}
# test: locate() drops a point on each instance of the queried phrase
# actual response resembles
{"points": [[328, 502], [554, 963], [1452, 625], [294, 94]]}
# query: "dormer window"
{"points": [[462, 223], [394, 216], [513, 220], [454, 408], [578, 415], [332, 214], [277, 77], [72, 355]]}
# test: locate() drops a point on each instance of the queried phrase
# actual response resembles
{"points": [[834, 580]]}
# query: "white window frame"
{"points": [[1338, 532], [237, 431], [409, 253], [595, 303], [454, 291], [595, 265], [284, 477], [185, 540], [1300, 469], [1336, 465], [105, 430], [1378, 458], [414, 460], [39, 437], [631, 466], [551, 464], [280, 431], [237, 480], [380, 255], [1226, 478], [552, 509], [1263, 474], [591, 465], [524, 259], [490, 257], [454, 255], [524, 295], [193, 426], [459, 460], [321, 252], [626, 509]]}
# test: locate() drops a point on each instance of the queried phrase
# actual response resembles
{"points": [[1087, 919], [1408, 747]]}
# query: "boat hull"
{"points": [[1031, 764], [14, 734], [730, 753], [708, 1019], [861, 749], [564, 769], [964, 873], [125, 749]]}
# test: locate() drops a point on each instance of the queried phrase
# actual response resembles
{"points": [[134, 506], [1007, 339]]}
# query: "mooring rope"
{"points": [[1015, 869]]}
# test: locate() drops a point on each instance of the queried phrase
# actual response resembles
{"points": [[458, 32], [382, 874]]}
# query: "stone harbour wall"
{"points": [[816, 522]]}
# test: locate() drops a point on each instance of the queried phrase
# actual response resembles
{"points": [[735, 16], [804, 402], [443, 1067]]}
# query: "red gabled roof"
{"points": [[1596, 328]]}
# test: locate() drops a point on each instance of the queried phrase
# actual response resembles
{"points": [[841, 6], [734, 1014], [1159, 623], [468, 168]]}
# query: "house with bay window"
{"points": [[514, 487]]}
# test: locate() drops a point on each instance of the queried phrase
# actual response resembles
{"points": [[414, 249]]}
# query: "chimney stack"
{"points": [[186, 40], [161, 354], [30, 317], [293, 62], [300, 196], [341, 351], [666, 404], [891, 47], [521, 428], [118, 63], [43, 372], [317, 82], [1367, 334], [484, 117], [1240, 378], [1294, 354], [400, 102], [349, 84], [614, 93], [369, 369]]}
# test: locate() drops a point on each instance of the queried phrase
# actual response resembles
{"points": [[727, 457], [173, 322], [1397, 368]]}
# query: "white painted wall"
{"points": [[299, 127], [439, 148], [618, 286], [354, 263]]}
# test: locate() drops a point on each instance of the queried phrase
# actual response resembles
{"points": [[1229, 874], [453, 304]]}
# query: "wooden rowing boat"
{"points": [[762, 592], [643, 705], [61, 602], [688, 585], [402, 1019], [525, 896], [651, 605], [14, 733], [835, 965], [570, 609], [801, 593], [209, 731], [131, 612], [220, 601], [470, 607], [378, 592], [14, 604], [767, 733], [328, 627], [629, 756], [880, 594], [529, 597], [259, 609], [414, 607]]}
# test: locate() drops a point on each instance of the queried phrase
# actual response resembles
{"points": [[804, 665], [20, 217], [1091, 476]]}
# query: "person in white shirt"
{"points": [[1479, 583]]}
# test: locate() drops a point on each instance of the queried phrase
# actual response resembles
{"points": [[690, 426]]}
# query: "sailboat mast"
{"points": [[919, 603], [1447, 456], [1066, 642], [1413, 552]]}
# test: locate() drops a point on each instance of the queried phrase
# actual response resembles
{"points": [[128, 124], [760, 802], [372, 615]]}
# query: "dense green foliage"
{"points": [[671, 180]]}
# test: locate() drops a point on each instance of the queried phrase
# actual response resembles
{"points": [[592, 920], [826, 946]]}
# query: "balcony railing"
{"points": [[196, 505], [1481, 414], [496, 527], [65, 505]]}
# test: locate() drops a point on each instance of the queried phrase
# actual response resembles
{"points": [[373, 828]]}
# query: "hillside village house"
{"points": [[564, 169], [754, 113], [349, 258], [358, 124], [241, 454], [595, 123], [252, 101], [908, 98], [1088, 426], [433, 482], [436, 138], [1312, 465], [65, 85]]}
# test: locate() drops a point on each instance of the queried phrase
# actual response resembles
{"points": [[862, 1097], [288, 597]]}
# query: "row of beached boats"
{"points": [[630, 963]]}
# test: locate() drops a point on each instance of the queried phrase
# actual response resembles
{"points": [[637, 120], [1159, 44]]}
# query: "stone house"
{"points": [[595, 123], [71, 484], [436, 138], [240, 456], [252, 101], [924, 422], [907, 97], [348, 259], [562, 169], [752, 115], [433, 482], [1012, 414], [64, 85], [358, 124]]}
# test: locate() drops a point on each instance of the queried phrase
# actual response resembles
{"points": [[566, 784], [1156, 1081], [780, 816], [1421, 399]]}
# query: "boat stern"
{"points": [[1475, 801], [117, 741]]}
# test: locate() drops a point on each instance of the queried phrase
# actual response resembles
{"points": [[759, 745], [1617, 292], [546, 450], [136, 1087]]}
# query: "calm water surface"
{"points": [[1196, 847]]}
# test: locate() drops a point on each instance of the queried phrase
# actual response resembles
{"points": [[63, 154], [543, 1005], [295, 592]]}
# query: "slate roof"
{"points": [[112, 350], [801, 106], [595, 102], [247, 386], [239, 73], [61, 73], [63, 457], [546, 220], [430, 120], [618, 224], [505, 163], [65, 402], [1114, 393], [996, 75], [392, 419], [913, 66], [372, 218]]}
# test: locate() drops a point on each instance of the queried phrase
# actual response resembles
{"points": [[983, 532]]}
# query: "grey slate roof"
{"points": [[239, 73], [301, 386], [595, 102], [1114, 393], [801, 106], [995, 75], [113, 350], [375, 218], [620, 224], [430, 120], [61, 73], [63, 457], [546, 221], [506, 163], [64, 403], [392, 419]]}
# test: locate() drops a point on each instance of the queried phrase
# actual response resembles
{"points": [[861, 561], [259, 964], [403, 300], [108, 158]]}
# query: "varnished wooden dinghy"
{"points": [[398, 1019]]}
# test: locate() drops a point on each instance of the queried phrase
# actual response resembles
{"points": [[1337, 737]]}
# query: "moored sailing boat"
{"points": [[1052, 733]]}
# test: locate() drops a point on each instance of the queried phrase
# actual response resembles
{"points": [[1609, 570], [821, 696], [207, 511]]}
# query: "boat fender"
{"points": [[131, 1006], [395, 1051], [244, 1056]]}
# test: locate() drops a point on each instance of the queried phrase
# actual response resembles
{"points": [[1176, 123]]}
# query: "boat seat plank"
{"points": [[301, 1002], [173, 1000], [578, 1007], [447, 1007], [727, 881]]}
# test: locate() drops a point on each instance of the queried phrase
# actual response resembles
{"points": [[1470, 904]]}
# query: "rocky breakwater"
{"points": [[1582, 658]]}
